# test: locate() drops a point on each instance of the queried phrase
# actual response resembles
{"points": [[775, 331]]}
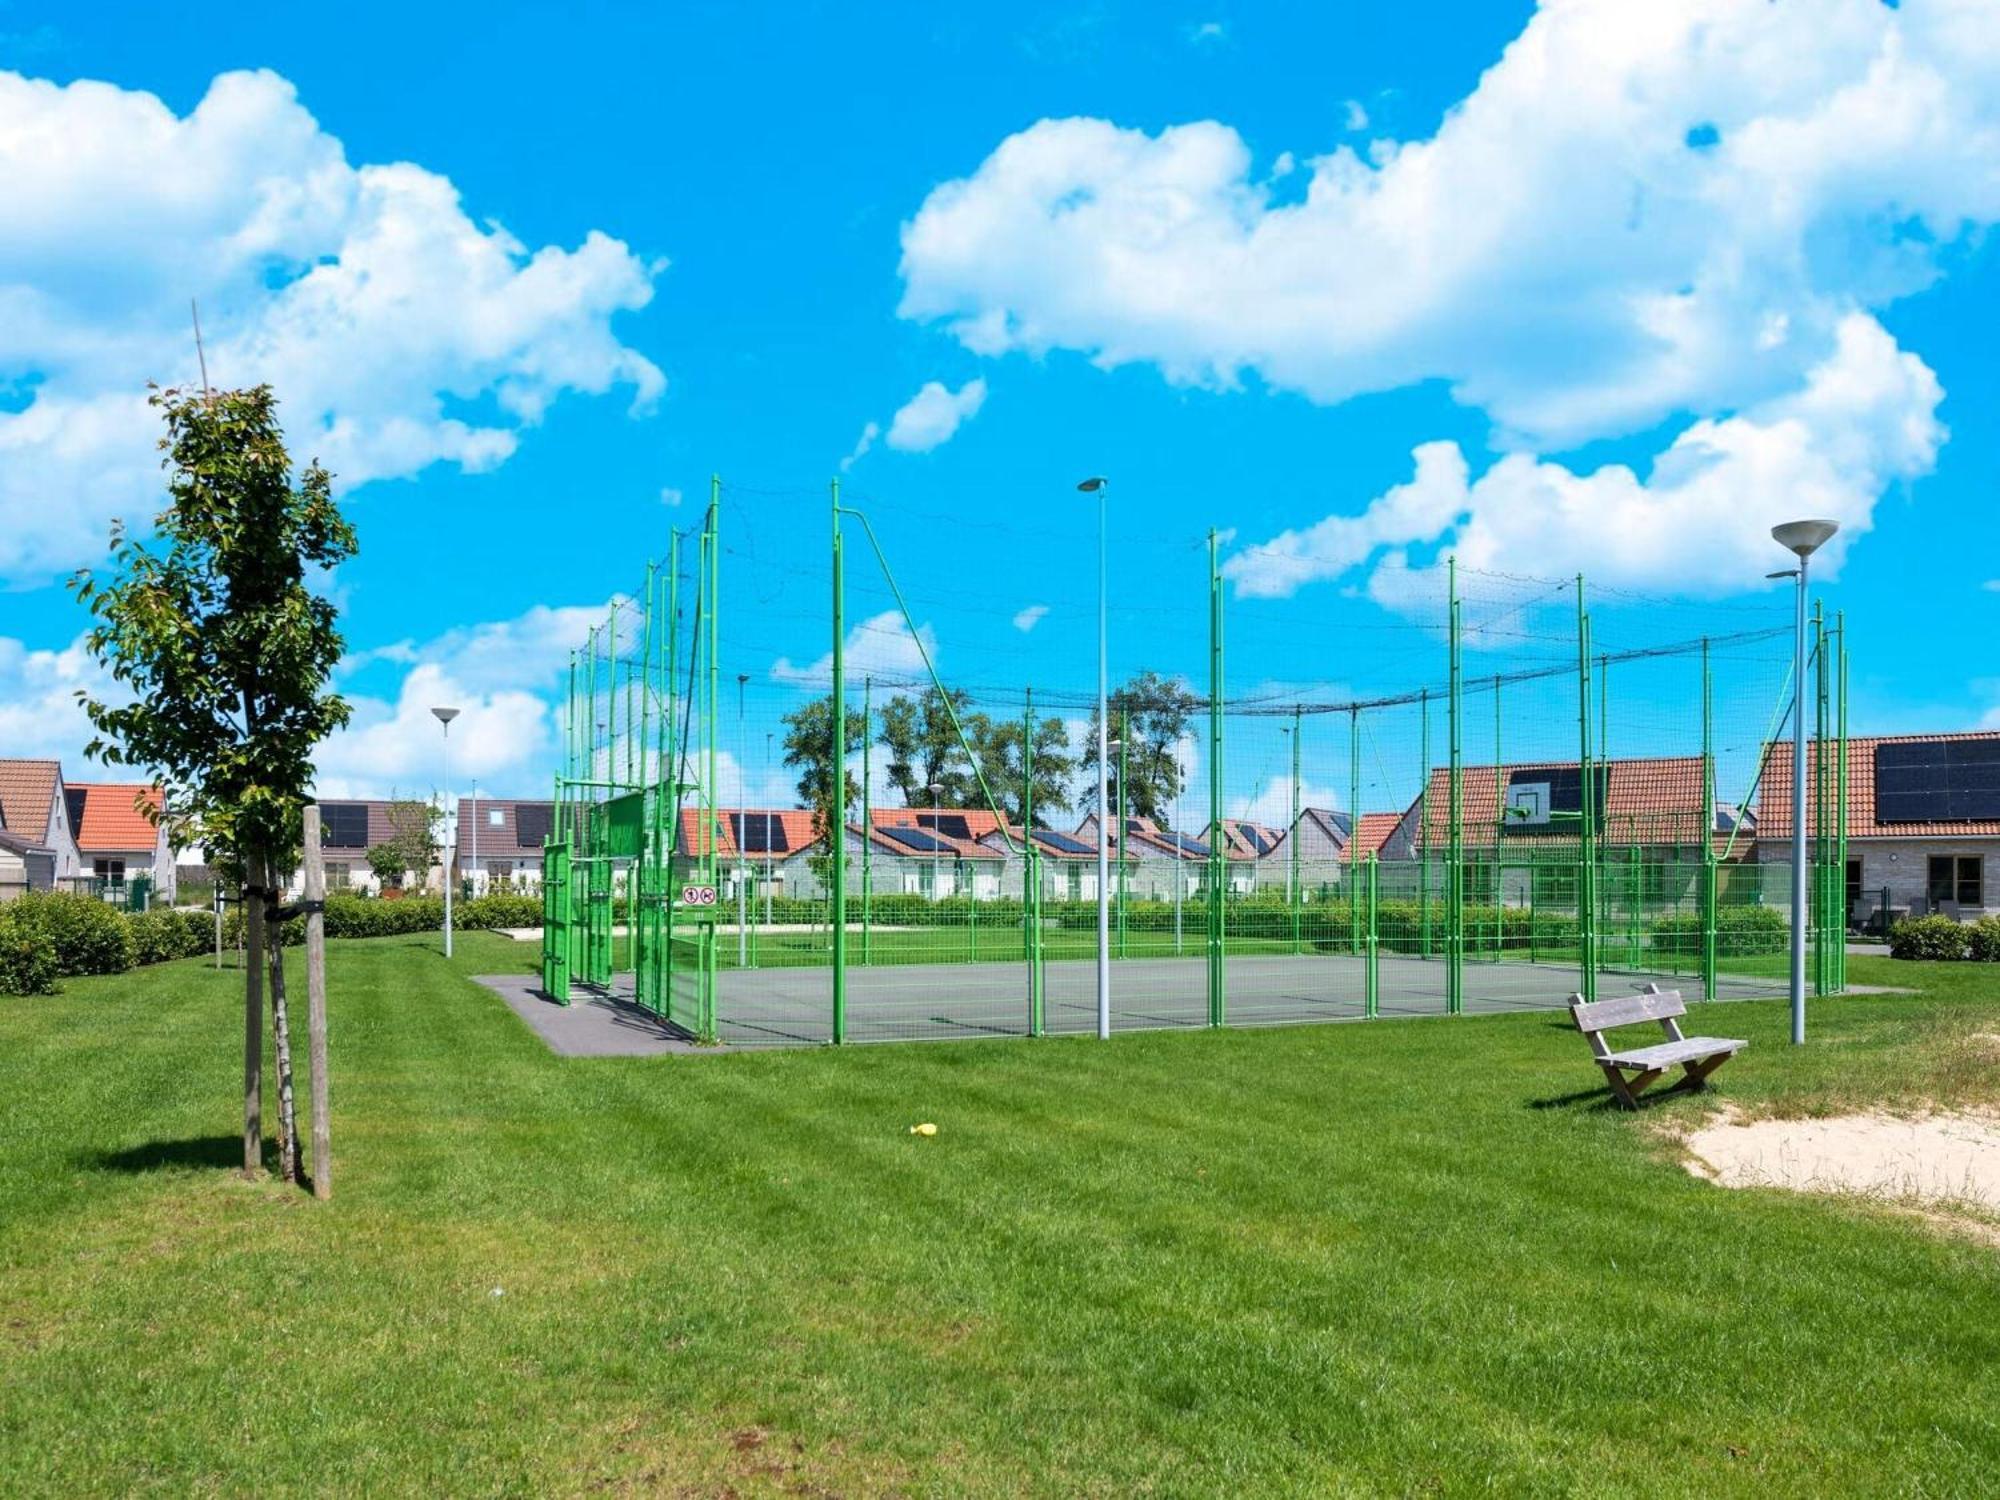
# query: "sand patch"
{"points": [[1944, 1158]]}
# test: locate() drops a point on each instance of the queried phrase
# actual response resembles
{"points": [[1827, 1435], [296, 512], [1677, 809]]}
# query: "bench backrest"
{"points": [[1603, 1015]]}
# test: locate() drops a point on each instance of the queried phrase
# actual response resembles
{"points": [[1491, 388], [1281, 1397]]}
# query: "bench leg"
{"points": [[1626, 1091], [1695, 1074]]}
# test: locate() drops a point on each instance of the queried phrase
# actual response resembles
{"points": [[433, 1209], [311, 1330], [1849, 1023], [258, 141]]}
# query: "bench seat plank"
{"points": [[1666, 1054]]}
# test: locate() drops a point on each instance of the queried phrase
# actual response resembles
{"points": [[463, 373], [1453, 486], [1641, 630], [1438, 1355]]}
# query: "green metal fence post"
{"points": [[1586, 898], [1031, 875], [1840, 815], [1371, 1000], [1709, 872], [837, 832], [1218, 874], [711, 718], [1353, 827], [1124, 844], [1295, 896], [867, 820], [1454, 869], [1423, 829]]}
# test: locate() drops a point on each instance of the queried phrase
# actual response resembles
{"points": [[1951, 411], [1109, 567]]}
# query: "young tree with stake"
{"points": [[227, 652]]}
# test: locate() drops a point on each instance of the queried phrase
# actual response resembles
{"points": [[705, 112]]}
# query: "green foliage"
{"points": [[158, 936], [1983, 940], [413, 838], [83, 935], [386, 863], [358, 916], [1152, 714], [1740, 931], [213, 632], [27, 960], [809, 751], [1933, 937]]}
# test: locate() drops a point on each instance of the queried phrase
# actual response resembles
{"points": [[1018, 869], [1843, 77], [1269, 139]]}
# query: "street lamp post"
{"points": [[1802, 539], [1098, 485], [472, 873], [444, 717]]}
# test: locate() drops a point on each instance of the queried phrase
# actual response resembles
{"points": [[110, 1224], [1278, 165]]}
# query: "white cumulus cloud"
{"points": [[930, 418], [398, 330], [1030, 617], [1700, 518], [881, 647], [1684, 211]]}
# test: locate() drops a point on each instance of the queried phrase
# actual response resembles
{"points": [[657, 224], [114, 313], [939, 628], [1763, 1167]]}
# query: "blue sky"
{"points": [[1606, 287]]}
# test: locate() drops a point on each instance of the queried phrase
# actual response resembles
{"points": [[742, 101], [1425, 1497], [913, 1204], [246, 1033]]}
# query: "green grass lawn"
{"points": [[1404, 1257]]}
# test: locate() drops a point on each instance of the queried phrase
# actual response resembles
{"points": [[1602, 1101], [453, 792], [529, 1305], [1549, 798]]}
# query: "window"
{"points": [[336, 877], [496, 817], [112, 870], [1956, 878]]}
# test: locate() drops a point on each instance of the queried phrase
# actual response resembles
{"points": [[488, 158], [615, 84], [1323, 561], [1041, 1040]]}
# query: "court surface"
{"points": [[782, 1007]]}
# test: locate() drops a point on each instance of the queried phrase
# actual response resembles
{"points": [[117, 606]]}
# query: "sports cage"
{"points": [[1555, 793]]}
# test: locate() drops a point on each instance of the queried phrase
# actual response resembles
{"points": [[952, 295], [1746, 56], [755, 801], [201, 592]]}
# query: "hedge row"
{"points": [[47, 936], [1938, 937]]}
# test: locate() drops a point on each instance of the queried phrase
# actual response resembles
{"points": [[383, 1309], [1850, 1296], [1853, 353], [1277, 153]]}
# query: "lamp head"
{"points": [[1804, 537], [1093, 484], [445, 715]]}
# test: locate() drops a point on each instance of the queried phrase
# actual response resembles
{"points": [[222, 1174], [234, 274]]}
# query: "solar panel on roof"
{"points": [[343, 825], [760, 833], [1937, 781], [951, 825], [1186, 843], [916, 838], [1063, 842], [532, 823]]}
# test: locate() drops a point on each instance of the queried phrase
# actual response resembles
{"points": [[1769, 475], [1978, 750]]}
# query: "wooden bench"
{"points": [[1697, 1056]]}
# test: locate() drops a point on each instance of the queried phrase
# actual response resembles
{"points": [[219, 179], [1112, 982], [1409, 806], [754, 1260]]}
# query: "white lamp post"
{"points": [[444, 716], [473, 873], [1098, 485], [1802, 539]]}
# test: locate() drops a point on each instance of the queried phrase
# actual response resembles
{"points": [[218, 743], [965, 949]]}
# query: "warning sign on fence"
{"points": [[697, 895]]}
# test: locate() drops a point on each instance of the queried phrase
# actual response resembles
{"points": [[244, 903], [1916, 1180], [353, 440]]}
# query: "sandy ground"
{"points": [[1950, 1158]]}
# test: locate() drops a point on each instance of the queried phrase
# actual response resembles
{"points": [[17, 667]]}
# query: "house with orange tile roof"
{"points": [[119, 834], [1923, 821], [34, 811], [910, 851], [1653, 802]]}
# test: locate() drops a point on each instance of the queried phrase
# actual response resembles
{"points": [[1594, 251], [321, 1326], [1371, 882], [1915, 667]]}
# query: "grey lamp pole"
{"points": [[444, 716], [473, 873], [1097, 485], [1802, 539]]}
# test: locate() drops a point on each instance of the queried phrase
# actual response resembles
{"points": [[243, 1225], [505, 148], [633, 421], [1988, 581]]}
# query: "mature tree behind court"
{"points": [[1154, 713], [211, 625]]}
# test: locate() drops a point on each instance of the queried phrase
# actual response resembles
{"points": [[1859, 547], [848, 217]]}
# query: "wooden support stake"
{"points": [[281, 1041], [315, 873], [253, 1021]]}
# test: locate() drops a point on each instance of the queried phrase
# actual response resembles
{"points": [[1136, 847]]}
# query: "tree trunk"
{"points": [[322, 1126], [253, 1020], [281, 1036]]}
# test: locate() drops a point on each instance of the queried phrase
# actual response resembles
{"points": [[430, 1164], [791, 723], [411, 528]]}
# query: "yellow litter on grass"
{"points": [[924, 1129]]}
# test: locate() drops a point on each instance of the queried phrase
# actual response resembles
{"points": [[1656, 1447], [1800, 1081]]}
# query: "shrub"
{"points": [[27, 962], [1983, 940], [85, 935], [1930, 938], [158, 936]]}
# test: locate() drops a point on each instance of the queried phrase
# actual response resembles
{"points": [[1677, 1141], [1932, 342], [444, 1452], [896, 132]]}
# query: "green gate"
{"points": [[555, 921]]}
